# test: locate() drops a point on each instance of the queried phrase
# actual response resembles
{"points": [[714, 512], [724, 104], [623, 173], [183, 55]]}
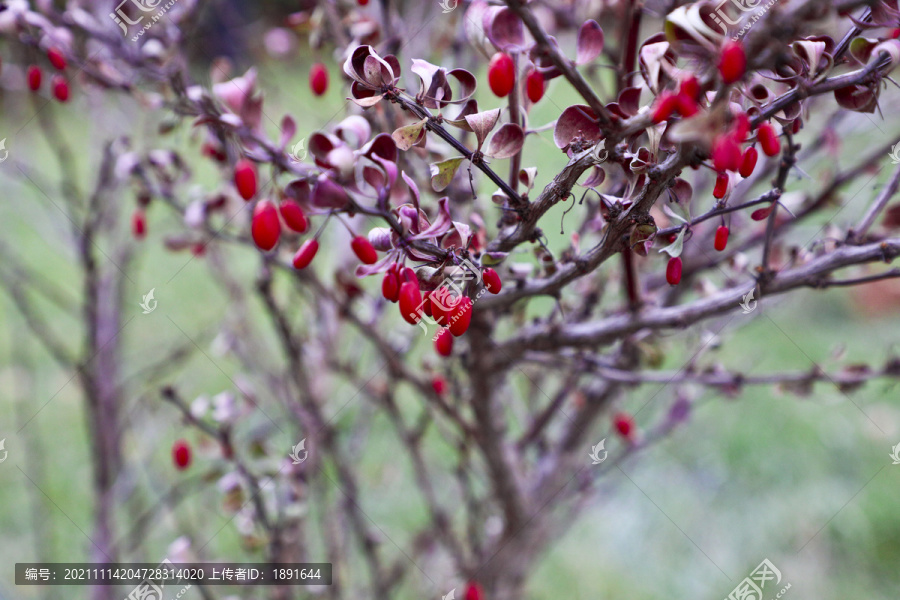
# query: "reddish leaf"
{"points": [[590, 42]]}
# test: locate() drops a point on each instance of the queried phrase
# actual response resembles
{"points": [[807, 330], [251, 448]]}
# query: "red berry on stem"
{"points": [[741, 127], [408, 274], [726, 154], [666, 103], [139, 224], [690, 87], [439, 385], [686, 105], [732, 62], [34, 78], [491, 280], [501, 74], [748, 164], [245, 178], [461, 316], [56, 58], [762, 214], [306, 253], [293, 216], [390, 286], [673, 270], [265, 226], [364, 250], [624, 424], [362, 2], [721, 186], [443, 342], [721, 238], [768, 139], [474, 591], [410, 302], [318, 79], [534, 86], [60, 88], [440, 303], [181, 454]]}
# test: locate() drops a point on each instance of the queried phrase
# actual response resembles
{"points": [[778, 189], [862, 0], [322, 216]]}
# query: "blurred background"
{"points": [[803, 480]]}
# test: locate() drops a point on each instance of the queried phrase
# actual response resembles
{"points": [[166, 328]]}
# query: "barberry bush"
{"points": [[484, 259]]}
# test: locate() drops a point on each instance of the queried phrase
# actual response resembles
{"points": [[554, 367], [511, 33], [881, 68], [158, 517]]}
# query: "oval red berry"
{"points": [[534, 86], [501, 74], [732, 62], [181, 455], [410, 302], [768, 139], [318, 79], [721, 186], [34, 78], [673, 270], [721, 238], [245, 178], [139, 224], [491, 280], [306, 253], [443, 342], [364, 250], [390, 287], [624, 424], [665, 106], [293, 216], [60, 88], [461, 316], [748, 164], [56, 58], [265, 226]]}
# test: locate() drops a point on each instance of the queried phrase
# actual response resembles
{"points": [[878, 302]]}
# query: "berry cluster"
{"points": [[59, 85]]}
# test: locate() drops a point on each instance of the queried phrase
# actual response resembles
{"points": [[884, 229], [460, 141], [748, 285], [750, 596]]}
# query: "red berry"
{"points": [[534, 86], [408, 274], [721, 238], [60, 88], [318, 79], [690, 87], [440, 302], [501, 74], [666, 103], [474, 591], [748, 164], [895, 34], [410, 302], [265, 226], [362, 2], [686, 105], [364, 250], [198, 249], [726, 154], [624, 424], [439, 385], [768, 139], [34, 78], [181, 454], [293, 216], [733, 62], [213, 152], [390, 286], [673, 271], [245, 178], [56, 58], [306, 253], [461, 316], [139, 224], [491, 280], [721, 186], [741, 127], [443, 342]]}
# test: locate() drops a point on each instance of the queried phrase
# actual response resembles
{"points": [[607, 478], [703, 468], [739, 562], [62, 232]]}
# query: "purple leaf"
{"points": [[441, 225], [504, 29], [596, 177], [575, 121], [288, 130], [483, 123], [590, 42], [329, 194], [506, 142]]}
